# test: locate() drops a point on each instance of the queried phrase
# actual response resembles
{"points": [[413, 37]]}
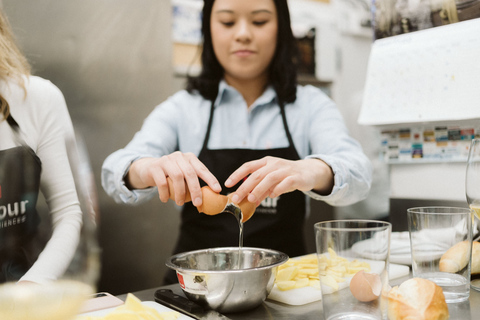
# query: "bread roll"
{"points": [[456, 258], [475, 257], [417, 299]]}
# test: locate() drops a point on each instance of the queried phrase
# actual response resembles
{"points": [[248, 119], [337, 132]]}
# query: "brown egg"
{"points": [[365, 286], [212, 202], [171, 190]]}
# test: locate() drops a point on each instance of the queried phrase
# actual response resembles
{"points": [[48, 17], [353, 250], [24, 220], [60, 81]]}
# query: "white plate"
{"points": [[403, 255], [405, 259], [400, 249], [157, 306]]}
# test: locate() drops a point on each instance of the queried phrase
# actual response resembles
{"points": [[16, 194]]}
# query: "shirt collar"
{"points": [[224, 90]]}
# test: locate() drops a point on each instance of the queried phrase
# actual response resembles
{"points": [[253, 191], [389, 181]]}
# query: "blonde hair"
{"points": [[13, 64]]}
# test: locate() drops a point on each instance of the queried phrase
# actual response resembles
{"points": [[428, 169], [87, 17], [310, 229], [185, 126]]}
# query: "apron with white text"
{"points": [[20, 170], [276, 224]]}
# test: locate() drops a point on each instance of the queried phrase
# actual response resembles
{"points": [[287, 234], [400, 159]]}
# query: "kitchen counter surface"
{"points": [[468, 310]]}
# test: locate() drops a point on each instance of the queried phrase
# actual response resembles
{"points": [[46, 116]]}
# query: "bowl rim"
{"points": [[283, 258]]}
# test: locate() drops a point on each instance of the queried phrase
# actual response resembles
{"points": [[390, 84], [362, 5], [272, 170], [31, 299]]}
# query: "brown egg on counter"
{"points": [[365, 286], [212, 202]]}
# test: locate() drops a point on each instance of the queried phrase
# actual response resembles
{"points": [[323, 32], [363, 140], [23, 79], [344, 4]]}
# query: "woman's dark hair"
{"points": [[282, 70]]}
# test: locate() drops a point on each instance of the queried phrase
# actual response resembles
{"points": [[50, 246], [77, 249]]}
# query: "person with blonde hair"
{"points": [[34, 127]]}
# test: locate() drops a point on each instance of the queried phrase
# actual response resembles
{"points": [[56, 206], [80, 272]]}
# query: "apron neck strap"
{"points": [[12, 123], [210, 120], [285, 124], [16, 132]]}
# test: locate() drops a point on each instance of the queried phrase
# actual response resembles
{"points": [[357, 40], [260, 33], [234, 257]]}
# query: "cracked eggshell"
{"points": [[212, 203], [365, 286], [248, 208]]}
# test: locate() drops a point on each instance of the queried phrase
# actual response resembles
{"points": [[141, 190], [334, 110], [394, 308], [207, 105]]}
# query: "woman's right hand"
{"points": [[183, 169]]}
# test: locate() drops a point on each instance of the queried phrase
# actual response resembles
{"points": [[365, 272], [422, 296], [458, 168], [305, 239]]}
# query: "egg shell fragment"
{"points": [[365, 286], [247, 207], [212, 203]]}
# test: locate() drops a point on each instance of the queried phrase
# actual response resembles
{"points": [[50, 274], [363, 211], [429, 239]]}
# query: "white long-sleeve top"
{"points": [[45, 126], [180, 123]]}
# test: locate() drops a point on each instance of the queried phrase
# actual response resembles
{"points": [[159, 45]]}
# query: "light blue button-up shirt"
{"points": [[180, 124]]}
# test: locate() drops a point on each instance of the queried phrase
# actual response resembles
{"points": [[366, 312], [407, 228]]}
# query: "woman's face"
{"points": [[244, 37]]}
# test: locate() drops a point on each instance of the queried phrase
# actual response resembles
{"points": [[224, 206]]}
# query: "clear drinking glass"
{"points": [[441, 246], [353, 260], [472, 190], [59, 294]]}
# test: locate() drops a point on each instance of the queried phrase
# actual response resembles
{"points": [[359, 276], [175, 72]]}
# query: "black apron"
{"points": [[20, 170], [276, 224]]}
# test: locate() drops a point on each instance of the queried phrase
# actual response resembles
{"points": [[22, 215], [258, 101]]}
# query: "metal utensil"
{"points": [[185, 306]]}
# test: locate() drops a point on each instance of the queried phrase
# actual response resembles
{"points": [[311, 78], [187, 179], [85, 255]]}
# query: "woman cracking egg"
{"points": [[244, 128]]}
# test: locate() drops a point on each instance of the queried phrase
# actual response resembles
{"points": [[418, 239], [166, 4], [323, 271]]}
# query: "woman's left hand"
{"points": [[271, 177]]}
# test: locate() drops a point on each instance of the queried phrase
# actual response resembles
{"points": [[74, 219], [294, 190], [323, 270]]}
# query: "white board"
{"points": [[424, 76]]}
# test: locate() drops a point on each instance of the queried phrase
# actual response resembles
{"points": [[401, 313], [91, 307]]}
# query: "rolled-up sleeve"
{"points": [[114, 169]]}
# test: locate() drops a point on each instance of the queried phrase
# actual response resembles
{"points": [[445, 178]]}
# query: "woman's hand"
{"points": [[184, 169], [271, 177]]}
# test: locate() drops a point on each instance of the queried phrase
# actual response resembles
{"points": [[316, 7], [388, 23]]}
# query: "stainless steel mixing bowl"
{"points": [[227, 279]]}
